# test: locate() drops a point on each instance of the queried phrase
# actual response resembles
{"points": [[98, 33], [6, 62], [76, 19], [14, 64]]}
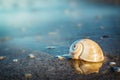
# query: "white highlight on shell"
{"points": [[95, 57]]}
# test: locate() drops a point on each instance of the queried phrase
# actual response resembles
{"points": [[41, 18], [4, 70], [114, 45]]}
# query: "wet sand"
{"points": [[47, 67]]}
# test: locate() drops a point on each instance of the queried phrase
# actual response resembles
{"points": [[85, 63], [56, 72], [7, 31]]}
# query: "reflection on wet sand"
{"points": [[82, 67]]}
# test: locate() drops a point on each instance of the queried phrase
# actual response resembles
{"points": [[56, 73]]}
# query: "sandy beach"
{"points": [[46, 67]]}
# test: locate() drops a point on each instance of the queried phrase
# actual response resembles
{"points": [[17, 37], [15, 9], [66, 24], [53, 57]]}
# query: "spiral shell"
{"points": [[87, 50]]}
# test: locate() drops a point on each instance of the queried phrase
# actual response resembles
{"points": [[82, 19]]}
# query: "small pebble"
{"points": [[54, 33], [116, 69], [28, 75], [67, 56], [23, 51], [99, 17], [2, 57], [50, 47], [66, 11], [6, 38], [101, 38], [15, 60], [79, 25], [38, 38], [23, 29], [31, 56], [60, 57], [112, 63], [105, 36], [102, 27], [86, 37]]}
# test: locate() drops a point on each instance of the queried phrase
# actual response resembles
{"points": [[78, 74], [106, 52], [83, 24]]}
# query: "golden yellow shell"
{"points": [[87, 50], [83, 67]]}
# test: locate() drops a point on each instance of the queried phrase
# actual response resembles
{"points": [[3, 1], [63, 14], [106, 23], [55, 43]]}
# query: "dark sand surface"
{"points": [[47, 67]]}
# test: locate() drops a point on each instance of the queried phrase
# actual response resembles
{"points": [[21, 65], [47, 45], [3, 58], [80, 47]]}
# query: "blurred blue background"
{"points": [[36, 24]]}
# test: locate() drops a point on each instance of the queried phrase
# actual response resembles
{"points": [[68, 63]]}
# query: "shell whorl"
{"points": [[76, 49]]}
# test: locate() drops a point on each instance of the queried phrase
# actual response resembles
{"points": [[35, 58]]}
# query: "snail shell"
{"points": [[87, 50]]}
